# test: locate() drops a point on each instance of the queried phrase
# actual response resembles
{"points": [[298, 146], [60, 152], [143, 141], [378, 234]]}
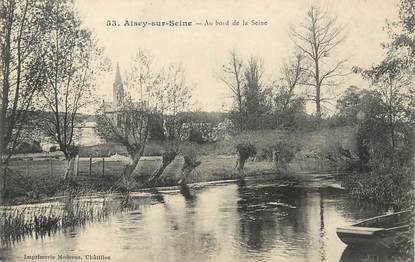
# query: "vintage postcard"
{"points": [[181, 130]]}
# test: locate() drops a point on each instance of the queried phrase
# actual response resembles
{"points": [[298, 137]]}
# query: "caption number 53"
{"points": [[112, 23]]}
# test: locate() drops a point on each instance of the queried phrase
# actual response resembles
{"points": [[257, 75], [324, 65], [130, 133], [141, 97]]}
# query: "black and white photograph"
{"points": [[207, 131]]}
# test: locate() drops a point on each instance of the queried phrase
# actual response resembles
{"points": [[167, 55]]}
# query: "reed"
{"points": [[18, 222]]}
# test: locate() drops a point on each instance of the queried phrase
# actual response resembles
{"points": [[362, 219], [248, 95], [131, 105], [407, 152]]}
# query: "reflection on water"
{"points": [[243, 221]]}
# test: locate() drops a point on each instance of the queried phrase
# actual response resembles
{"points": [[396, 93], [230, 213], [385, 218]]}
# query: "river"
{"points": [[235, 221]]}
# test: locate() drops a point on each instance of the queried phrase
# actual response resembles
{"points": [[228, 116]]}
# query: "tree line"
{"points": [[309, 74]]}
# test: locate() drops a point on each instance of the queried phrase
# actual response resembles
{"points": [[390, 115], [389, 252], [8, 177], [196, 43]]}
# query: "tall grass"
{"points": [[17, 223]]}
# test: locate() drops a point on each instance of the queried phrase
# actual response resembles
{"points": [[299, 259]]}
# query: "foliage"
{"points": [[349, 106], [249, 92], [386, 118], [245, 151], [381, 185], [254, 93], [25, 148], [367, 109], [291, 116], [196, 136], [285, 152], [155, 123]]}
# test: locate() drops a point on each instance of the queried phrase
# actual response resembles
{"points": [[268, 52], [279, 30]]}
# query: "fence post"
{"points": [[4, 182], [90, 165], [103, 166], [77, 165], [50, 165]]}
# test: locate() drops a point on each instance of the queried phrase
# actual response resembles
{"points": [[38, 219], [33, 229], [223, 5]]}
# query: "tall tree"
{"points": [[73, 60], [254, 92], [318, 38], [22, 76], [393, 78], [233, 76], [386, 133]]}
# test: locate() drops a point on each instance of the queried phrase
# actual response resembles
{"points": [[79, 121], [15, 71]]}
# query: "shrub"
{"points": [[284, 150], [381, 185], [246, 150], [195, 136], [27, 148]]}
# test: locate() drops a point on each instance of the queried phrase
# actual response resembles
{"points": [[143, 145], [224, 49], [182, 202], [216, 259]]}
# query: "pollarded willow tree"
{"points": [[126, 121], [172, 98], [73, 61], [127, 125], [318, 37]]}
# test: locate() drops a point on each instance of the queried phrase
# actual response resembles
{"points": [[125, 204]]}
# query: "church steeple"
{"points": [[118, 89], [117, 75]]}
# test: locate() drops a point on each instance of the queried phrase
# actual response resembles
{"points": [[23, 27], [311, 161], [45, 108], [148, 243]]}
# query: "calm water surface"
{"points": [[239, 221]]}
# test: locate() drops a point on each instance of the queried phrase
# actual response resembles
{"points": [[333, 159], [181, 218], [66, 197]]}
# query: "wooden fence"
{"points": [[86, 166]]}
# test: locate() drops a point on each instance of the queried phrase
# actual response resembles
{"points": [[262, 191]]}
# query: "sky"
{"points": [[202, 50]]}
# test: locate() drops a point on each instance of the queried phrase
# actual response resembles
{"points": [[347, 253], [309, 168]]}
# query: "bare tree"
{"points": [[318, 38], [287, 98], [21, 71], [293, 74], [72, 59], [233, 76]]}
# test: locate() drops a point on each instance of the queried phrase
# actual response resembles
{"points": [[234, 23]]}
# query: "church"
{"points": [[87, 135], [118, 94]]}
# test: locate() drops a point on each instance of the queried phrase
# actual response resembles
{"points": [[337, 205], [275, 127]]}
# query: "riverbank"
{"points": [[36, 179]]}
